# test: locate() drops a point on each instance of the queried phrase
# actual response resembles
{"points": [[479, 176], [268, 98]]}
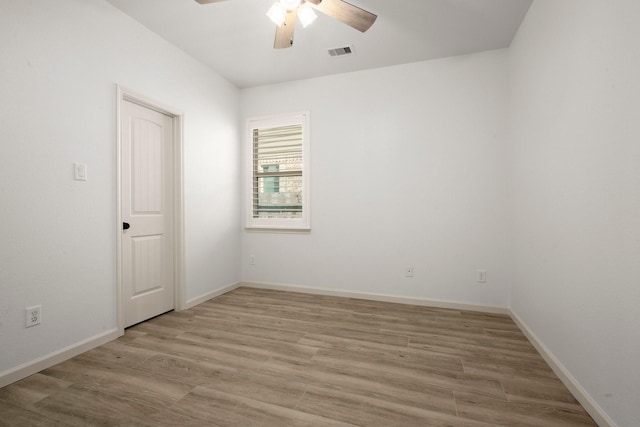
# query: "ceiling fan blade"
{"points": [[284, 33], [209, 1], [347, 13]]}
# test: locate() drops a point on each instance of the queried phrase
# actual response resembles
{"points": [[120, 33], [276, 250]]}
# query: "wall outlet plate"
{"points": [[33, 315], [408, 271]]}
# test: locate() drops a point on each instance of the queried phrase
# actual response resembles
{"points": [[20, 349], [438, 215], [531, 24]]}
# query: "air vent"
{"points": [[339, 51]]}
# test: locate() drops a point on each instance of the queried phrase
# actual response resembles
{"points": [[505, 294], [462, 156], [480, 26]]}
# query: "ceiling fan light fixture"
{"points": [[290, 4], [306, 15], [277, 12]]}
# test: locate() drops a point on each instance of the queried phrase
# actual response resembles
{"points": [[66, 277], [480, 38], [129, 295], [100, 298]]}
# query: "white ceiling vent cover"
{"points": [[340, 51]]}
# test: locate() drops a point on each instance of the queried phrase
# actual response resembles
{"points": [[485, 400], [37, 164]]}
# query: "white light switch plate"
{"points": [[80, 171]]}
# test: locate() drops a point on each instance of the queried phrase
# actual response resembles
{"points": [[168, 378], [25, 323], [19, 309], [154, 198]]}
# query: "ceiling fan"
{"points": [[285, 13]]}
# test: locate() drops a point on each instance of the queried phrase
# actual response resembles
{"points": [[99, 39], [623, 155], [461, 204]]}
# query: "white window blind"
{"points": [[279, 172]]}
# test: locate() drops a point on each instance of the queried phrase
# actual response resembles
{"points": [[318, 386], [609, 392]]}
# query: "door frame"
{"points": [[177, 116]]}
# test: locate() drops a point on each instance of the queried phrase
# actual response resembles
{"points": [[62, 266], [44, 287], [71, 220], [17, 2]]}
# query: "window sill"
{"points": [[282, 230]]}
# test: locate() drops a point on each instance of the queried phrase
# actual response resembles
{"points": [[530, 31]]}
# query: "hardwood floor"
{"points": [[269, 358]]}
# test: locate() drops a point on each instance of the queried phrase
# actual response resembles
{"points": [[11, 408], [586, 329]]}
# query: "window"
{"points": [[278, 164]]}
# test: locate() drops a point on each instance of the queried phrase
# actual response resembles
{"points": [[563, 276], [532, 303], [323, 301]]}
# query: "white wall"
{"points": [[408, 168], [575, 67], [59, 64]]}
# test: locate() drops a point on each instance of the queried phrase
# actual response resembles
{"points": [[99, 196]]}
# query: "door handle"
{"points": [[125, 226]]}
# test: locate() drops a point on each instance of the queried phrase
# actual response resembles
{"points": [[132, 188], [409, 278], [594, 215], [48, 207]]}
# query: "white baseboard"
{"points": [[377, 297], [585, 399], [206, 297], [29, 368]]}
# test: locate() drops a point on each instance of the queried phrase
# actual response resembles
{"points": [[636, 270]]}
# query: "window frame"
{"points": [[284, 224]]}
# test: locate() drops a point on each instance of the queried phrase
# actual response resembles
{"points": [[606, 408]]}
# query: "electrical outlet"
{"points": [[481, 276], [408, 271], [33, 315]]}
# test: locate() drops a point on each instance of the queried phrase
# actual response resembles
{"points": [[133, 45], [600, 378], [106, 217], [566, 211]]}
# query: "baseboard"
{"points": [[216, 292], [585, 399], [29, 368], [377, 297]]}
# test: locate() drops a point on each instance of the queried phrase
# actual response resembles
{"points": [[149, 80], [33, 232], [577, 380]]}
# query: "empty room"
{"points": [[320, 213]]}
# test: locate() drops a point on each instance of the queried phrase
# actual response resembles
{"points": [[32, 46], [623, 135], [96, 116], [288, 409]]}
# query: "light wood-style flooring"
{"points": [[257, 357]]}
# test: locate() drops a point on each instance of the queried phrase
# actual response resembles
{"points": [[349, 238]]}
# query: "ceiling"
{"points": [[235, 37]]}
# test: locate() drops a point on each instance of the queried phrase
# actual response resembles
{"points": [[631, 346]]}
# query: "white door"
{"points": [[147, 213]]}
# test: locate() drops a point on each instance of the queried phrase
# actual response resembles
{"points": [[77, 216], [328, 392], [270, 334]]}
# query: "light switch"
{"points": [[80, 171]]}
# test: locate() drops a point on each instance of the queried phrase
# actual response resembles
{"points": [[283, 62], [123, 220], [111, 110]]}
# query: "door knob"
{"points": [[125, 226]]}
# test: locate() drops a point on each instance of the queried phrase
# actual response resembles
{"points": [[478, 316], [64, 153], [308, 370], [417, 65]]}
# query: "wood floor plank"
{"points": [[81, 406], [208, 407], [258, 357], [251, 330], [543, 390], [424, 376], [263, 388], [370, 412], [383, 353], [223, 409], [137, 386], [201, 349], [117, 353], [364, 382], [516, 414], [15, 415], [507, 368], [32, 389], [241, 382], [456, 345], [157, 329], [427, 334], [184, 369], [252, 344]]}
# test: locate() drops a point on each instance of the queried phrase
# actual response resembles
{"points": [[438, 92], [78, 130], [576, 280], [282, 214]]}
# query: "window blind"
{"points": [[277, 172]]}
